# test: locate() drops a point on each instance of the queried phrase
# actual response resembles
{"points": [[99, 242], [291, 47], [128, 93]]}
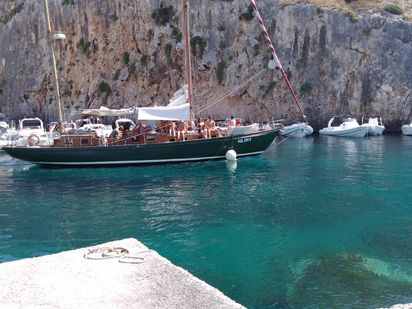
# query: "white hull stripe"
{"points": [[144, 161]]}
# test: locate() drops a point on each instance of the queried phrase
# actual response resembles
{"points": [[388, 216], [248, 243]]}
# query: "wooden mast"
{"points": [[56, 79], [188, 63]]}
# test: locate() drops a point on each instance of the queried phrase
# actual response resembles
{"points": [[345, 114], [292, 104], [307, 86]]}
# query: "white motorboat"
{"points": [[31, 133], [8, 134], [348, 128], [300, 129], [374, 124], [407, 129]]}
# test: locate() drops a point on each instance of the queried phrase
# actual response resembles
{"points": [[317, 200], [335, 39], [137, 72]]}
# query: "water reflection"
{"points": [[231, 166]]}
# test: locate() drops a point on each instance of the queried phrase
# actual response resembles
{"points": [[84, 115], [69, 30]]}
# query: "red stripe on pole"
{"points": [[275, 57]]}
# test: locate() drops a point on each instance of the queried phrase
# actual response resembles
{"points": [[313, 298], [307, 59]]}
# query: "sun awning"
{"points": [[104, 111], [180, 112]]}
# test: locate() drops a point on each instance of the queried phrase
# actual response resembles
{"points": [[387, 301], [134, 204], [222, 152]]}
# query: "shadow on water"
{"points": [[312, 222]]}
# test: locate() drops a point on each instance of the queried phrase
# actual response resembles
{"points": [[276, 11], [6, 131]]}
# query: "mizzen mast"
{"points": [[188, 62]]}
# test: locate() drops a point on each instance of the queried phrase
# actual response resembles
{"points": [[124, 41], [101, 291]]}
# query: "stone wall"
{"points": [[122, 53]]}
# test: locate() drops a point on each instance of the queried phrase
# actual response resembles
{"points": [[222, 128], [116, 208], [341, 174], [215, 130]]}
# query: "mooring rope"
{"points": [[283, 140], [121, 253]]}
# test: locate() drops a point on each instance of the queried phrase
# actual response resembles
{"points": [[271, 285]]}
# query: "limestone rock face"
{"points": [[122, 53]]}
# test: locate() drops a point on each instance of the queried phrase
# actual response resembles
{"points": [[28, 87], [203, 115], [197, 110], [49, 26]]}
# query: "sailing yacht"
{"points": [[149, 146]]}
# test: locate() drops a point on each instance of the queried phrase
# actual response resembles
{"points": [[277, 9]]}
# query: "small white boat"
{"points": [[8, 134], [407, 129], [31, 133], [241, 130], [374, 124], [348, 128], [300, 129]]}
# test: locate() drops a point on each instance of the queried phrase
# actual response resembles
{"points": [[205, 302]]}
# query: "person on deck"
{"points": [[210, 127], [231, 122], [172, 128], [201, 127], [181, 129], [115, 133]]}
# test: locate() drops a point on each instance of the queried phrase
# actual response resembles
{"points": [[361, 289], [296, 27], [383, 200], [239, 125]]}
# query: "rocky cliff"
{"points": [[123, 53]]}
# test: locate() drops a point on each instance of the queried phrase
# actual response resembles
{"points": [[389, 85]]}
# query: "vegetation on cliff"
{"points": [[398, 7]]}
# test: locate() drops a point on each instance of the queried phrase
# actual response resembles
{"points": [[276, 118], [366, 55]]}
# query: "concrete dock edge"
{"points": [[69, 280]]}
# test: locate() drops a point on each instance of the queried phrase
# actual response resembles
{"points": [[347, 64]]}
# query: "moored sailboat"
{"points": [[148, 147]]}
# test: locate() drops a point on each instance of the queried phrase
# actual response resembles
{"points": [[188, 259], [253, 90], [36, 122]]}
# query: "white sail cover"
{"points": [[104, 111], [177, 109], [180, 112]]}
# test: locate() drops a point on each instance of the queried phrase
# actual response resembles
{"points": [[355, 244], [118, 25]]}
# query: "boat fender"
{"points": [[33, 140], [231, 155]]}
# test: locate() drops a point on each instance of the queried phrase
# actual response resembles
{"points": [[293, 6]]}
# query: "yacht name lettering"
{"points": [[244, 140]]}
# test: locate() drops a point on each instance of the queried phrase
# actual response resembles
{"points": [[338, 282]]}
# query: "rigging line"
{"points": [[275, 57], [231, 92]]}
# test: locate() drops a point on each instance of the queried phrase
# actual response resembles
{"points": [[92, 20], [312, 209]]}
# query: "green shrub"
{"points": [[367, 31], [220, 72], [222, 44], [351, 16], [144, 60], [83, 46], [248, 15], [168, 50], [104, 89], [116, 75], [67, 2], [305, 88], [179, 37], [126, 57], [163, 15], [198, 46], [270, 87], [393, 9], [256, 49]]}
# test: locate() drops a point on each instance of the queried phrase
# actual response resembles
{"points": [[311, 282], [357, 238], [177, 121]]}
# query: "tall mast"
{"points": [[188, 63], [56, 79], [276, 59]]}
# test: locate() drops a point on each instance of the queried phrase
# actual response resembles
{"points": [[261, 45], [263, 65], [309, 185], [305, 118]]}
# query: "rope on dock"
{"points": [[105, 253], [122, 254]]}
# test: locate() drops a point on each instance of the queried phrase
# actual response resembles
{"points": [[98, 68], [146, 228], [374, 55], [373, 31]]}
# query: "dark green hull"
{"points": [[194, 150]]}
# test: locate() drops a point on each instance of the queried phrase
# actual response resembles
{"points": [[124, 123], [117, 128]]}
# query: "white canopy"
{"points": [[180, 112], [104, 111]]}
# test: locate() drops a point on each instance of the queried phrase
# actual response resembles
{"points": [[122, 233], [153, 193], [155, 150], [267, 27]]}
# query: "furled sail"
{"points": [[104, 111]]}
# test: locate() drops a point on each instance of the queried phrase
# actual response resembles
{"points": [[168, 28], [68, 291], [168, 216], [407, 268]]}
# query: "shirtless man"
{"points": [[210, 126], [201, 126], [181, 129], [232, 122]]}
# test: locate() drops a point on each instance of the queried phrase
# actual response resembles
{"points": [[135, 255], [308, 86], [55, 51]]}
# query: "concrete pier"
{"points": [[86, 278]]}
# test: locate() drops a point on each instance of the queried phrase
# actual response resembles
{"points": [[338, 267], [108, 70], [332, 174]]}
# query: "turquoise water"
{"points": [[320, 222]]}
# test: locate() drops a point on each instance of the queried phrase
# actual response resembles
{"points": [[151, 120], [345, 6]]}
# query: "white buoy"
{"points": [[231, 155]]}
